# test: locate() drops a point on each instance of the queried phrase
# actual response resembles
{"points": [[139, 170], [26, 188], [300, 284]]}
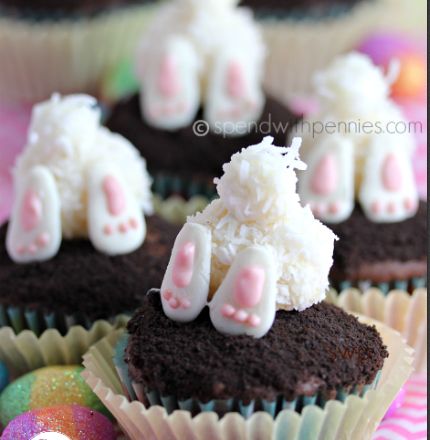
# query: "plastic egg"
{"points": [[412, 78], [4, 376], [71, 421], [384, 47], [45, 387]]}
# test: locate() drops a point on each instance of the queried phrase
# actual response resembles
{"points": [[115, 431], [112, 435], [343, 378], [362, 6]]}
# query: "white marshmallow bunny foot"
{"points": [[245, 303], [34, 232], [328, 184], [388, 192], [234, 96], [185, 288], [116, 224], [171, 89]]}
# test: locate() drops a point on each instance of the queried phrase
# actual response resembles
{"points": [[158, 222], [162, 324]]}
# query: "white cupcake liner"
{"points": [[299, 48], [356, 418], [65, 55], [399, 310], [26, 352]]}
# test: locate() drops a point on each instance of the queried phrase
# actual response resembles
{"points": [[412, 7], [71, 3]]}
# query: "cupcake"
{"points": [[238, 337], [200, 70], [48, 46], [81, 220], [360, 180], [307, 35], [247, 253]]}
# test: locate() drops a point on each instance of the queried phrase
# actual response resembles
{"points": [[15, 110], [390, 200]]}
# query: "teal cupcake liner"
{"points": [[166, 184], [407, 285], [25, 318], [221, 407]]}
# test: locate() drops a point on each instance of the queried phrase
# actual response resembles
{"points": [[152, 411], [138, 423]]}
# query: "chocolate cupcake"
{"points": [[307, 357], [238, 323], [360, 180], [200, 70], [77, 247], [304, 36], [184, 163], [386, 255], [48, 46]]}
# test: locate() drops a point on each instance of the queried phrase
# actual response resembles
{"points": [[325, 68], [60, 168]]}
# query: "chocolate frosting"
{"points": [[81, 280], [380, 252], [63, 7], [317, 350], [182, 152]]}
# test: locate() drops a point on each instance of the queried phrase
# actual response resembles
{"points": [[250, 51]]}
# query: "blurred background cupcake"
{"points": [[200, 96], [359, 149], [48, 46], [304, 36], [81, 243]]}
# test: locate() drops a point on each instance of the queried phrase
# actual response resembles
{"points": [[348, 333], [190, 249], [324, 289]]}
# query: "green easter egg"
{"points": [[45, 387]]}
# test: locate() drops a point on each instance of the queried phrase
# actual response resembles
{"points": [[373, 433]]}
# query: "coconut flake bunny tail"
{"points": [[253, 177], [253, 250], [70, 183]]}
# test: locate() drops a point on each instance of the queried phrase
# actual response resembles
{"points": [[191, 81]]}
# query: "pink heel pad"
{"points": [[235, 81], [184, 264], [31, 212], [114, 194], [391, 173], [168, 83], [324, 180], [249, 285]]}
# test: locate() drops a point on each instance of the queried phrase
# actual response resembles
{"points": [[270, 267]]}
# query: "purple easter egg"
{"points": [[71, 421]]}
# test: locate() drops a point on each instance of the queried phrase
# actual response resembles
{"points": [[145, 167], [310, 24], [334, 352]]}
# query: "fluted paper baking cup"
{"points": [[408, 285], [355, 418], [167, 184], [38, 58], [399, 310], [21, 318], [297, 48], [26, 352], [171, 403]]}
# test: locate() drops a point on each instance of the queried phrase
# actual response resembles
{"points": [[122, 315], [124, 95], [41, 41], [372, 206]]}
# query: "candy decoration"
{"points": [[45, 387], [102, 196], [72, 421]]}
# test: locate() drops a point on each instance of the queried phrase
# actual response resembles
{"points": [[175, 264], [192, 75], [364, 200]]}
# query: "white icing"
{"points": [[119, 232], [213, 28], [263, 258], [197, 290], [66, 137], [352, 91], [258, 205], [42, 241]]}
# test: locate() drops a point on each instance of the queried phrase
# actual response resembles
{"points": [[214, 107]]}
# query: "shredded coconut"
{"points": [[264, 209]]}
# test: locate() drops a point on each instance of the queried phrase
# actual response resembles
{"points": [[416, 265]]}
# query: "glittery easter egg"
{"points": [[47, 386], [4, 376], [73, 421]]}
